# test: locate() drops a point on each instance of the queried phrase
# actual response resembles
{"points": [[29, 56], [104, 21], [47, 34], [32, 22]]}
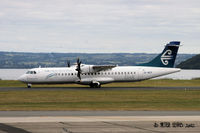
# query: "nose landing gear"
{"points": [[29, 85]]}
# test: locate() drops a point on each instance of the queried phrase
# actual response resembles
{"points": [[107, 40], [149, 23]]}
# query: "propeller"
{"points": [[78, 68], [68, 63]]}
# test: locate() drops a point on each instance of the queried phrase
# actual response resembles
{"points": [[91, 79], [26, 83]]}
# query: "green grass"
{"points": [[100, 100], [146, 83], [11, 83], [158, 83], [103, 99]]}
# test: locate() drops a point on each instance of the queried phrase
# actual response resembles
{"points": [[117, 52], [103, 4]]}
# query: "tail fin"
{"points": [[166, 58]]}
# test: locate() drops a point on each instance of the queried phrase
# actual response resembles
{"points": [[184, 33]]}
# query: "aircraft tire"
{"points": [[95, 86], [29, 85]]}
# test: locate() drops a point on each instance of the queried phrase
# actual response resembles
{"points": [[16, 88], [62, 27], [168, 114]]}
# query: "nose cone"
{"points": [[22, 78]]}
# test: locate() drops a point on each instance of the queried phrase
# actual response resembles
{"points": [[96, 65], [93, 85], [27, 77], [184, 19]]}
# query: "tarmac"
{"points": [[99, 121]]}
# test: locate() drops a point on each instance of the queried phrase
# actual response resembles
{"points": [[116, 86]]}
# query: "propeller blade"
{"points": [[68, 63], [78, 68], [79, 75], [78, 61]]}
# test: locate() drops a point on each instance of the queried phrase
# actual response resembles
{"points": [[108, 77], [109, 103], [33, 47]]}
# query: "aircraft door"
{"points": [[140, 73]]}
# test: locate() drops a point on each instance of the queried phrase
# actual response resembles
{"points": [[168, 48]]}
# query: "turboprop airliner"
{"points": [[96, 75]]}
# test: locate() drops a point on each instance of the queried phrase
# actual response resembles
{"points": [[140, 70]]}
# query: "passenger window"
{"points": [[72, 73], [27, 72]]}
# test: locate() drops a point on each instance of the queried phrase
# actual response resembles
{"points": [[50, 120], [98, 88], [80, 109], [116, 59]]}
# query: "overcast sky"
{"points": [[99, 25]]}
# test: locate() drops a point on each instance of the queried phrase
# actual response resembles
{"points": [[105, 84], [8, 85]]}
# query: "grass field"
{"points": [[102, 99], [146, 83]]}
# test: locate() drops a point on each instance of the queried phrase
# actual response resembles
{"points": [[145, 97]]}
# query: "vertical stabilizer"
{"points": [[166, 58]]}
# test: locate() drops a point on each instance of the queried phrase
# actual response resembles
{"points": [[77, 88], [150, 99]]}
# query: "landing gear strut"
{"points": [[29, 85], [95, 85]]}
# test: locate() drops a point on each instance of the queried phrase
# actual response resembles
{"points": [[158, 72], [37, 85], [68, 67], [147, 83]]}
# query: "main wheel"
{"points": [[95, 85], [99, 86], [91, 85]]}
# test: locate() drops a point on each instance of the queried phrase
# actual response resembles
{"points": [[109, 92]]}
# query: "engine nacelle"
{"points": [[87, 69]]}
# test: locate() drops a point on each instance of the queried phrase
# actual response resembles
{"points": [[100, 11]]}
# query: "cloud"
{"points": [[98, 26]]}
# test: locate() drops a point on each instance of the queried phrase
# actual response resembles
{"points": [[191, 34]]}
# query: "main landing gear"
{"points": [[95, 85]]}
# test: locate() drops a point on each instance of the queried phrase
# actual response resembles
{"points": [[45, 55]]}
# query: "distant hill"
{"points": [[192, 63], [31, 60]]}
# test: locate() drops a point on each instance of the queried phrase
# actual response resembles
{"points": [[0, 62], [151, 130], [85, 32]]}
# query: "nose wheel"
{"points": [[29, 85]]}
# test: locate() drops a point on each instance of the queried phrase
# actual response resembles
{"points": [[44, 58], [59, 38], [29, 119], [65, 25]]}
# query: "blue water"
{"points": [[183, 74], [13, 74]]}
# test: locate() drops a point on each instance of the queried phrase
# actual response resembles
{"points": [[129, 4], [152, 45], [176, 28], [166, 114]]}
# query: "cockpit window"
{"points": [[31, 72]]}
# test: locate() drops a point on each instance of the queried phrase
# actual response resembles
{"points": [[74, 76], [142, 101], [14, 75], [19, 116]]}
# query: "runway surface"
{"points": [[99, 121], [103, 88], [96, 113]]}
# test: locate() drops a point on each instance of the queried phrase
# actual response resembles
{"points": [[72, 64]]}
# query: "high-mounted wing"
{"points": [[83, 68], [98, 68]]}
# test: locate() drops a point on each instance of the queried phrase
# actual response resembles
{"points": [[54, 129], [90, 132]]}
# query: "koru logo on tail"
{"points": [[166, 56]]}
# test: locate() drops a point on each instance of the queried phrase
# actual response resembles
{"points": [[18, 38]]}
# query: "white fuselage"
{"points": [[117, 74]]}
